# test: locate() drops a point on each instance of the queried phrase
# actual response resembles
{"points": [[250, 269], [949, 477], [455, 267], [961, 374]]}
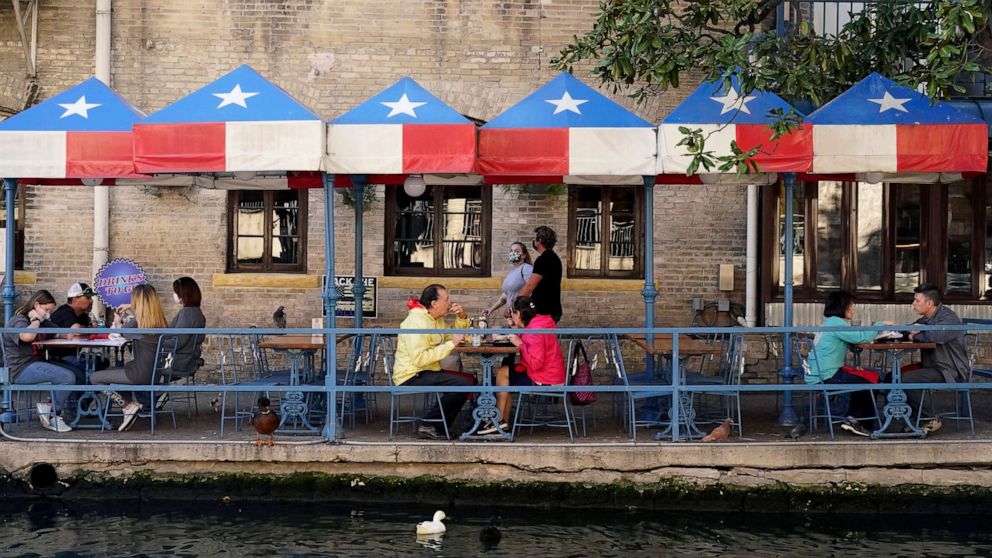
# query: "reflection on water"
{"points": [[48, 528]]}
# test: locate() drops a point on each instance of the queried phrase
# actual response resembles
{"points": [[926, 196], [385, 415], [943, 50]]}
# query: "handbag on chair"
{"points": [[581, 375]]}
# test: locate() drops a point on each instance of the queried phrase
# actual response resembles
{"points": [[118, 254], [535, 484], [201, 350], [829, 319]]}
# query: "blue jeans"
{"points": [[48, 373]]}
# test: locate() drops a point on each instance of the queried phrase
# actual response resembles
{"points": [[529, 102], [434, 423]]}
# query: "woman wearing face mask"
{"points": [[186, 292], [514, 280], [25, 368]]}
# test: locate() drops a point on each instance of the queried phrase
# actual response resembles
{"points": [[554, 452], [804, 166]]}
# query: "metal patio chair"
{"points": [[165, 350], [396, 416], [962, 397], [819, 402], [540, 405]]}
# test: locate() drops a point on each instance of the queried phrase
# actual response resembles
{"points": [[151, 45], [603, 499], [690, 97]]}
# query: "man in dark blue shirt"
{"points": [[75, 314]]}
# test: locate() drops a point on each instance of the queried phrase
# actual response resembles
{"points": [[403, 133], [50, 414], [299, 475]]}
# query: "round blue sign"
{"points": [[115, 281]]}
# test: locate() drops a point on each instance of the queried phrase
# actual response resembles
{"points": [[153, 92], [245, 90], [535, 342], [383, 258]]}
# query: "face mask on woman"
{"points": [[176, 299], [42, 315], [514, 257]]}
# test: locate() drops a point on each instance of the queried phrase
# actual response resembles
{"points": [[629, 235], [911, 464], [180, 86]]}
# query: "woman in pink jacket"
{"points": [[542, 362]]}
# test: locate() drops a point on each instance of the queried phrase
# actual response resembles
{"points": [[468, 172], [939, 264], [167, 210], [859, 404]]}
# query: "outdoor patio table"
{"points": [[91, 350], [896, 407], [486, 408], [663, 345], [688, 347], [300, 349]]}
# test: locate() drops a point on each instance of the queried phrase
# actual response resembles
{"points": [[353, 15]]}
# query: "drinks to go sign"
{"points": [[115, 281]]}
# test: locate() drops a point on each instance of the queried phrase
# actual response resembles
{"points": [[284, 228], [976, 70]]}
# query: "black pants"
{"points": [[861, 403], [451, 402]]}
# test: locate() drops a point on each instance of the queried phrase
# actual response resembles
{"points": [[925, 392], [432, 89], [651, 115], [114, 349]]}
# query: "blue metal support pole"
{"points": [[676, 414], [9, 292], [788, 416], [358, 286], [330, 296], [650, 292]]}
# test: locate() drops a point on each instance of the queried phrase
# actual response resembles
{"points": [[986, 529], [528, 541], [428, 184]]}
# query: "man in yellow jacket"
{"points": [[418, 355]]}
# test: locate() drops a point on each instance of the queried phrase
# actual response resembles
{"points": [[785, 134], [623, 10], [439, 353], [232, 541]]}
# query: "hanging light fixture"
{"points": [[414, 185]]}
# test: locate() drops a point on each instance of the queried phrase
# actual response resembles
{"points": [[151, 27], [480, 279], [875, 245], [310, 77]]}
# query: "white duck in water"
{"points": [[434, 527]]}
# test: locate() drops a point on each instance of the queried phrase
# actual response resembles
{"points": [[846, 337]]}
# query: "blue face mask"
{"points": [[514, 257]]}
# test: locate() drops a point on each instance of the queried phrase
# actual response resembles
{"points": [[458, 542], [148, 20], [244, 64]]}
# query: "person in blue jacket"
{"points": [[829, 354]]}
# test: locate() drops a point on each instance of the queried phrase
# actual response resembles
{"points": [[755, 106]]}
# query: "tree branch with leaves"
{"points": [[643, 48]]}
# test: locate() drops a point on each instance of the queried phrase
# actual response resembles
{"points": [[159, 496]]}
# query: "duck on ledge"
{"points": [[266, 421]]}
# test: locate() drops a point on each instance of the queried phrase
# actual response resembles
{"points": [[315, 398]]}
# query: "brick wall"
{"points": [[479, 57]]}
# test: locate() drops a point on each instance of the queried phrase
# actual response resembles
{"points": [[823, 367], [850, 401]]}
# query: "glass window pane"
{"points": [[829, 229], [462, 254], [414, 232], [798, 232], [960, 224], [623, 215], [250, 249], [909, 233], [869, 240], [285, 213], [251, 213], [285, 249], [588, 229], [462, 228]]}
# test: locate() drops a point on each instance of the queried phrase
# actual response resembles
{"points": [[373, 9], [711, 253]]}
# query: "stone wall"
{"points": [[479, 57]]}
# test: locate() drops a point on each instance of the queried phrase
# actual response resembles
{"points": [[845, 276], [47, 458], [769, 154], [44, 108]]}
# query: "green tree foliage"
{"points": [[645, 47]]}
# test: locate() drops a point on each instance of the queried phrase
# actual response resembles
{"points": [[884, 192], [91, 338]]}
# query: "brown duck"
{"points": [[266, 421]]}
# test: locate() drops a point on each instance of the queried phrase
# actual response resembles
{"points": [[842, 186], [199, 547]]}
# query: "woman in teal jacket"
{"points": [[829, 355]]}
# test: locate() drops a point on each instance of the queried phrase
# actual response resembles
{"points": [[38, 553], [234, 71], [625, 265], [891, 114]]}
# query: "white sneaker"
{"points": [[59, 425], [131, 411], [45, 415]]}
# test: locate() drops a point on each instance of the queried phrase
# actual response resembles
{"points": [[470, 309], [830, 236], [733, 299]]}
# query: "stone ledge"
{"points": [[266, 280], [773, 459]]}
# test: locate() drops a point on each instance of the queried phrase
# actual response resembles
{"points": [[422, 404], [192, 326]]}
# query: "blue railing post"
{"points": [[788, 416], [676, 384], [358, 286], [330, 296], [650, 293], [9, 292]]}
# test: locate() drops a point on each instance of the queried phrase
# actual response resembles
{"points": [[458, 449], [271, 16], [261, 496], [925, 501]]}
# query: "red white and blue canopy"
{"points": [[565, 131], [878, 126], [402, 130], [83, 132], [725, 116], [239, 123]]}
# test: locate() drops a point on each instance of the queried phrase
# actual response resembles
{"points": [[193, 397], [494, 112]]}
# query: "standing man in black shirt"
{"points": [[544, 285]]}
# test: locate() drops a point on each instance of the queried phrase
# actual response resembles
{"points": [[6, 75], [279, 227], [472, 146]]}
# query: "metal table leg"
{"points": [[896, 408], [294, 405], [87, 410], [486, 408]]}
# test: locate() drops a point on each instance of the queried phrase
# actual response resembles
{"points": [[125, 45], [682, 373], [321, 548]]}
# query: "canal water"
{"points": [[51, 528]]}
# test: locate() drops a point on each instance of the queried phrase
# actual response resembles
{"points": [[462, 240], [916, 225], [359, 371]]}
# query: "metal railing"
{"points": [[674, 384]]}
